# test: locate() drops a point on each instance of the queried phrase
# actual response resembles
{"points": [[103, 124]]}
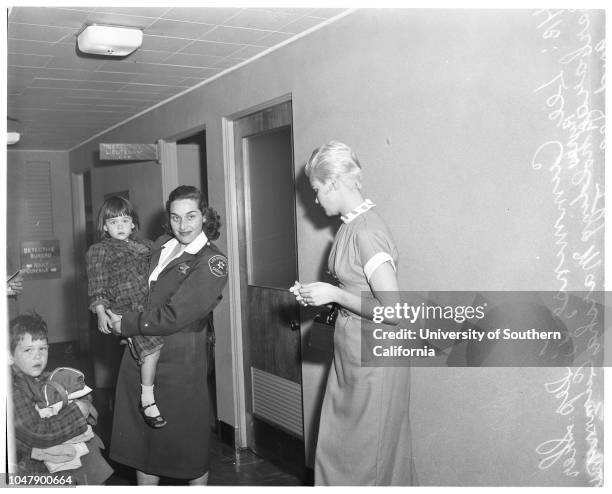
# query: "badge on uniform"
{"points": [[218, 265], [183, 268]]}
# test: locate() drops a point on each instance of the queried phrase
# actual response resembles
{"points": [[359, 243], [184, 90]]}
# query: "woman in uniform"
{"points": [[364, 432], [187, 275]]}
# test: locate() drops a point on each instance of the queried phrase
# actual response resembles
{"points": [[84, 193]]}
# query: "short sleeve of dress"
{"points": [[374, 247]]}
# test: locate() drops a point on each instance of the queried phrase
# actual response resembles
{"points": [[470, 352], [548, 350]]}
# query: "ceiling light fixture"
{"points": [[113, 41], [12, 138]]}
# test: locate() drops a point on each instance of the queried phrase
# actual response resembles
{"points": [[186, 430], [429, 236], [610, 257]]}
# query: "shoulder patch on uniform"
{"points": [[218, 265]]}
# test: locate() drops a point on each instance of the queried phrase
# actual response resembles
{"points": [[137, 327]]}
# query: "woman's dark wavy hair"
{"points": [[31, 324], [212, 224], [112, 208]]}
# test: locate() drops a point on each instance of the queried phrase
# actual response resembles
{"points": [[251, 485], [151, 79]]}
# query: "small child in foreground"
{"points": [[42, 437]]}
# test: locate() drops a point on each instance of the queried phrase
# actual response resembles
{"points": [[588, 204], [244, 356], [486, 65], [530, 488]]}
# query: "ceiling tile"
{"points": [[178, 29], [120, 107], [248, 51], [137, 11], [301, 24], [163, 43], [36, 32], [72, 84], [274, 39], [261, 19], [53, 73], [73, 19], [326, 13], [204, 15], [159, 79], [295, 10], [227, 63], [20, 60], [149, 56], [194, 60], [150, 89], [24, 74], [65, 105], [76, 62], [152, 68], [99, 75], [39, 47], [119, 20], [211, 48], [235, 35]]}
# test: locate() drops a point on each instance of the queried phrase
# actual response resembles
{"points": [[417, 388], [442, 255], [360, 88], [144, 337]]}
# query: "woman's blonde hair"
{"points": [[334, 160]]}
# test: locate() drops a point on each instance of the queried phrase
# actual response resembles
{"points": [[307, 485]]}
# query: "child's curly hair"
{"points": [[31, 324]]}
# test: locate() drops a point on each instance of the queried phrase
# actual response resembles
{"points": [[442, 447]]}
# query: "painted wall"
{"points": [[51, 298], [189, 172], [442, 108]]}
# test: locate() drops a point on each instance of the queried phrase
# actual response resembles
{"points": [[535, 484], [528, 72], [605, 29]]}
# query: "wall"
{"points": [[442, 108], [51, 298], [188, 156]]}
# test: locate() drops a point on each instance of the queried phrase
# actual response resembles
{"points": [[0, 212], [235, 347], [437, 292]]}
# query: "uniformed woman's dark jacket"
{"points": [[177, 300]]}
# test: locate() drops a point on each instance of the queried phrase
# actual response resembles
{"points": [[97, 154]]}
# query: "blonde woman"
{"points": [[364, 432]]}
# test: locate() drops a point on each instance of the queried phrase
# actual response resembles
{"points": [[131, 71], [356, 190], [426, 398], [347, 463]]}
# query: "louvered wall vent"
{"points": [[278, 401], [38, 200]]}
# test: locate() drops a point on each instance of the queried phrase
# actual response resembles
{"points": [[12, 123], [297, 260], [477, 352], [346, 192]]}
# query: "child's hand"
{"points": [[104, 323], [115, 321]]}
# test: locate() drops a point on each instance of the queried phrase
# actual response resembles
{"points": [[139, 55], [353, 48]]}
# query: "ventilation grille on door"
{"points": [[277, 400]]}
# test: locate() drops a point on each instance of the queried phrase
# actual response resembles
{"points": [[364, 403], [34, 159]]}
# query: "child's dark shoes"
{"points": [[157, 422]]}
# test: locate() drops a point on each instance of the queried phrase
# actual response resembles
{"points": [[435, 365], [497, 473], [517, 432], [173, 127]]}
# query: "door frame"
{"points": [[231, 206], [77, 187]]}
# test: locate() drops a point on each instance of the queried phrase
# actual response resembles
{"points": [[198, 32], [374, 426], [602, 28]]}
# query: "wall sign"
{"points": [[128, 152], [40, 259]]}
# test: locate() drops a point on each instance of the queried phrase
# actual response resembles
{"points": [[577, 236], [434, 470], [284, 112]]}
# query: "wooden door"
{"points": [[265, 182]]}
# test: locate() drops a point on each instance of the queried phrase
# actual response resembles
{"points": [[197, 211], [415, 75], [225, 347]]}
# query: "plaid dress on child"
{"points": [[117, 273]]}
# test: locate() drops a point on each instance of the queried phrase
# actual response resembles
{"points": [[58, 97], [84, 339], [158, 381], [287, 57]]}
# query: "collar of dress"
{"points": [[362, 208], [193, 248]]}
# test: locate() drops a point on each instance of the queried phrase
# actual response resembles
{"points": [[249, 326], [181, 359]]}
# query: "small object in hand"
{"points": [[156, 422], [296, 286]]}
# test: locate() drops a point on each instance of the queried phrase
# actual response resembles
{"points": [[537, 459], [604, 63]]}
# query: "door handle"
{"points": [[295, 325]]}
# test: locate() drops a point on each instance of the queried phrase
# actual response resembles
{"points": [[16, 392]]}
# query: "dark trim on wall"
{"points": [[227, 434]]}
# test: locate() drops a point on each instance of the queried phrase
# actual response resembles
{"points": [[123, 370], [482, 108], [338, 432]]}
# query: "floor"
{"points": [[227, 466]]}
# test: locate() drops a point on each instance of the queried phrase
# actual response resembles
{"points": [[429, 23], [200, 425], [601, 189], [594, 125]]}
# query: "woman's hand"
{"points": [[318, 293], [115, 321]]}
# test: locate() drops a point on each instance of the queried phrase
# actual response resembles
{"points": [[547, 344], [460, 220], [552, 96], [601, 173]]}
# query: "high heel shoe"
{"points": [[156, 422]]}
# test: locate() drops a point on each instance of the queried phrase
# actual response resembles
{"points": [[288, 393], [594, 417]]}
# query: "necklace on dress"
{"points": [[362, 208]]}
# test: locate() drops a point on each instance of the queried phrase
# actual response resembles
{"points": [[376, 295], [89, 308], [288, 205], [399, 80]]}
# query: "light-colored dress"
{"points": [[364, 433]]}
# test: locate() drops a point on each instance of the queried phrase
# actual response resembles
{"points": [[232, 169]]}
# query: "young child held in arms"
{"points": [[50, 439], [118, 272]]}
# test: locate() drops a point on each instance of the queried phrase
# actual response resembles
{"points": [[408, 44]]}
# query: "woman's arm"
{"points": [[385, 290], [197, 295]]}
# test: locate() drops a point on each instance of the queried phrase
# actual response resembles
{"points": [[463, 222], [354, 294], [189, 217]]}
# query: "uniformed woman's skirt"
{"points": [[180, 449]]}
